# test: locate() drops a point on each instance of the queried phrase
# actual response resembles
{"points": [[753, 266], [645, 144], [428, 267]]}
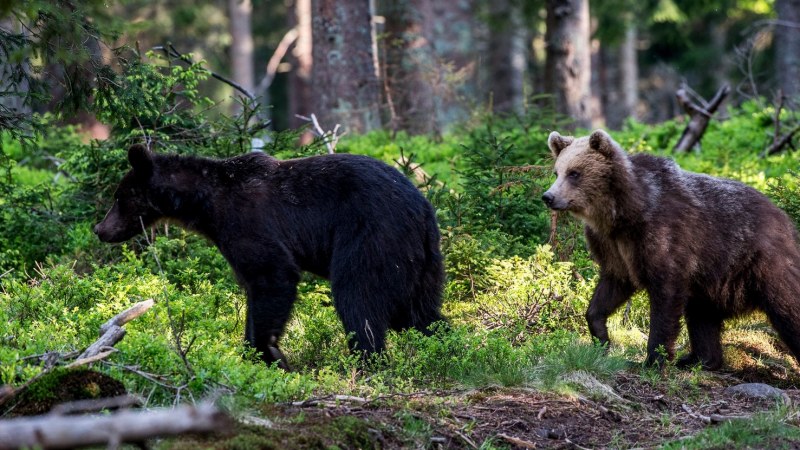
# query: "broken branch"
{"points": [[699, 116], [53, 431]]}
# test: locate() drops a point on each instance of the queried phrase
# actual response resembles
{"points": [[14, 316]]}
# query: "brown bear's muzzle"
{"points": [[553, 202]]}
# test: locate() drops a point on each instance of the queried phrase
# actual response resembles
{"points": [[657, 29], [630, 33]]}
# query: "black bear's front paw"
{"points": [[276, 355]]}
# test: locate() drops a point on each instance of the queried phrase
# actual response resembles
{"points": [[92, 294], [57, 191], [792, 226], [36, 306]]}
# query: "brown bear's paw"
{"points": [[691, 360]]}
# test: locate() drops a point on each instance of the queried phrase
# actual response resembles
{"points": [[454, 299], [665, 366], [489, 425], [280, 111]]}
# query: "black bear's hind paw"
{"points": [[692, 360]]}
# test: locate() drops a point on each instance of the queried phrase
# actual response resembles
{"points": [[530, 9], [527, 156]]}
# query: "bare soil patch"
{"points": [[652, 413]]}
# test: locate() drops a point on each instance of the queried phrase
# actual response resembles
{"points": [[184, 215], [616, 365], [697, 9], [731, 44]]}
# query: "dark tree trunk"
{"points": [[507, 57], [619, 74], [568, 67], [409, 65], [787, 48], [456, 50], [300, 76], [344, 82]]}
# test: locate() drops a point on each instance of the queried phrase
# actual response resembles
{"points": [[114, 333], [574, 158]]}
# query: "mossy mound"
{"points": [[60, 386]]}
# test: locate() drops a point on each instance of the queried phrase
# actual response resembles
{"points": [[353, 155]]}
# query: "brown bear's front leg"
{"points": [[609, 295]]}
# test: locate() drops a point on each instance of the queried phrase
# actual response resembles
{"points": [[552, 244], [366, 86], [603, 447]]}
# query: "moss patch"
{"points": [[60, 386]]}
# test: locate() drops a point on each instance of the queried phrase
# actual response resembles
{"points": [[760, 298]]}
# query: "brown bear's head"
{"points": [[133, 209], [584, 172]]}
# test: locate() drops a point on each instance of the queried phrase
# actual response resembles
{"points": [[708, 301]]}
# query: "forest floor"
{"points": [[639, 411]]}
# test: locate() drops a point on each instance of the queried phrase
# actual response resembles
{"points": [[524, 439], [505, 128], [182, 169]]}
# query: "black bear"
{"points": [[351, 219], [702, 247]]}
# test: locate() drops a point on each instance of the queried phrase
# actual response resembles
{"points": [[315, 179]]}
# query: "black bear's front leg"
{"points": [[269, 303], [609, 295]]}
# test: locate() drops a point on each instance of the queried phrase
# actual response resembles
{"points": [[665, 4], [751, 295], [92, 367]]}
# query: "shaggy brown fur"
{"points": [[702, 247]]}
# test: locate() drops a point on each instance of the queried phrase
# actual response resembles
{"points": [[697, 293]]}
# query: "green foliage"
{"points": [[148, 97], [585, 357], [773, 429]]}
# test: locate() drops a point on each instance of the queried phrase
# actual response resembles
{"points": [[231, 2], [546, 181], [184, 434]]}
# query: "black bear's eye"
{"points": [[573, 175]]}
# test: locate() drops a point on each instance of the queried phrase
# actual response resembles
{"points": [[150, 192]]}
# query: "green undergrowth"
{"points": [[772, 429], [514, 298]]}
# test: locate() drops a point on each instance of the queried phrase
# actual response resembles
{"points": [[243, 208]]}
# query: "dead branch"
{"points": [[699, 115], [127, 315], [331, 138], [275, 60], [53, 431], [112, 332], [780, 143], [517, 442], [698, 416], [96, 405], [331, 400]]}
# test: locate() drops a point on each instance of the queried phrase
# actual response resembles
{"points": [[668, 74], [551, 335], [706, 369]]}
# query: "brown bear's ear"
{"points": [[141, 160], [601, 142], [557, 142]]}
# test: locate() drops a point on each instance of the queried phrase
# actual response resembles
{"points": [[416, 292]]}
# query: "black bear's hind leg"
{"points": [[705, 329]]}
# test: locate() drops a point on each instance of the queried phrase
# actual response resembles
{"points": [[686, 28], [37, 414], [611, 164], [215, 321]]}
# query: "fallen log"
{"points": [[699, 115], [54, 431]]}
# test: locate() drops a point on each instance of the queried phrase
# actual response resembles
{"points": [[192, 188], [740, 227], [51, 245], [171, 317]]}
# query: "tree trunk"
{"points": [[302, 62], [344, 85], [629, 71], [457, 51], [242, 70], [568, 68], [409, 65], [507, 57], [787, 48], [13, 109]]}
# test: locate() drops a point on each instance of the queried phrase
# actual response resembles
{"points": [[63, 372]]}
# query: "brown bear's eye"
{"points": [[573, 175]]}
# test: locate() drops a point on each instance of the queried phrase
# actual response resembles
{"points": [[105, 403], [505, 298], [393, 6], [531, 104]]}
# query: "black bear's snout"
{"points": [[548, 198]]}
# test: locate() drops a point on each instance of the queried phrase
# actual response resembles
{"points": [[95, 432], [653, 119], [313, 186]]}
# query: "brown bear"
{"points": [[351, 219], [702, 247]]}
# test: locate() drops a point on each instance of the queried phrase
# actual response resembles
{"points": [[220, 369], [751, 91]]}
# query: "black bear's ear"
{"points": [[601, 142], [141, 160], [557, 142]]}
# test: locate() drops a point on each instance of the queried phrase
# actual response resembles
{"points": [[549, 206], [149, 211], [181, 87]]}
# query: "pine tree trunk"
{"points": [[300, 100], [344, 84], [507, 57], [242, 70], [629, 72], [409, 65], [457, 51], [787, 48], [568, 67]]}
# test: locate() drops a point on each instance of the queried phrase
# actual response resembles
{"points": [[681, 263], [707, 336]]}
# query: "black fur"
{"points": [[350, 219]]}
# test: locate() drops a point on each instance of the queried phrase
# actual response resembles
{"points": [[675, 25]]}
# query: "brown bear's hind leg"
{"points": [[782, 307], [666, 308], [705, 329]]}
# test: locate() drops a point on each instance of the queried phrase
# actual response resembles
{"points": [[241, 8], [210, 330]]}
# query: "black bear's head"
{"points": [[133, 209]]}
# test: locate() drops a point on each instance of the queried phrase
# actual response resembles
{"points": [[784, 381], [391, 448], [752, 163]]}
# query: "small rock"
{"points": [[756, 390]]}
